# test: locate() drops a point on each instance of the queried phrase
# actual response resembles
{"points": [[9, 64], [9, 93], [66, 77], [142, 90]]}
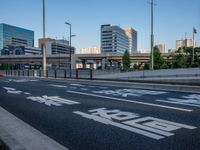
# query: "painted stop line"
{"points": [[151, 127]]}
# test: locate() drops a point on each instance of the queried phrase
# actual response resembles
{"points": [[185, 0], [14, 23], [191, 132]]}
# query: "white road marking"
{"points": [[84, 89], [190, 100], [148, 126], [73, 88], [129, 92], [119, 125], [59, 86], [52, 100], [12, 90], [132, 101], [91, 86], [22, 80], [26, 93], [79, 85]]}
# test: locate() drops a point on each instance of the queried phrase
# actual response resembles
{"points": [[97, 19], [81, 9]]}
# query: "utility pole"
{"points": [[194, 32], [44, 45], [152, 35], [70, 51]]}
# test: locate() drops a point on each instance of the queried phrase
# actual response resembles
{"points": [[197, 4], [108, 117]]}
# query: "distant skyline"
{"points": [[173, 18]]}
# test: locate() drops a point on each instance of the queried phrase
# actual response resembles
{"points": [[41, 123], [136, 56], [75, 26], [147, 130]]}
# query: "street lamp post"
{"points": [[152, 37], [70, 51], [44, 46]]}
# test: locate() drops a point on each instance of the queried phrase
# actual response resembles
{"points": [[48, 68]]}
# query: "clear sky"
{"points": [[172, 19]]}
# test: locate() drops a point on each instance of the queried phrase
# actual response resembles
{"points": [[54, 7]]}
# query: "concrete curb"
{"points": [[143, 85], [17, 135]]}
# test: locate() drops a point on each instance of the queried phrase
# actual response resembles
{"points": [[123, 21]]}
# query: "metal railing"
{"points": [[58, 73]]}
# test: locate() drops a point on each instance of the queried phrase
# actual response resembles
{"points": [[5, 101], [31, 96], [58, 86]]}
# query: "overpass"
{"points": [[76, 59]]}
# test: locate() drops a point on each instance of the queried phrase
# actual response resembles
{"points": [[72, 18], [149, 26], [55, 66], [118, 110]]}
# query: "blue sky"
{"points": [[172, 18]]}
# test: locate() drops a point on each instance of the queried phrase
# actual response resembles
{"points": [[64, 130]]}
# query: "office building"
{"points": [[161, 47], [113, 39], [185, 43], [90, 50], [54, 46], [132, 38], [20, 50], [15, 36]]}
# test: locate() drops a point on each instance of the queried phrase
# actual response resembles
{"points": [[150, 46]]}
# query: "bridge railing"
{"points": [[58, 73]]}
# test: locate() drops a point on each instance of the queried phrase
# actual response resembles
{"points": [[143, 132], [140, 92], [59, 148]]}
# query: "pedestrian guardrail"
{"points": [[58, 73]]}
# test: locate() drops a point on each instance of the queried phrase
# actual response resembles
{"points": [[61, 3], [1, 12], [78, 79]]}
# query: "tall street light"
{"points": [[152, 36], [44, 46], [70, 51]]}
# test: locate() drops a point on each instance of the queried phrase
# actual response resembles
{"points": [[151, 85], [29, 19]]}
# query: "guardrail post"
{"points": [[18, 72], [55, 73], [23, 73], [28, 73], [91, 77], [76, 73], [47, 75], [65, 72], [39, 73]]}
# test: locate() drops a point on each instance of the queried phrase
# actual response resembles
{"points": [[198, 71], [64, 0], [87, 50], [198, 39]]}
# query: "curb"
{"points": [[139, 85], [18, 135]]}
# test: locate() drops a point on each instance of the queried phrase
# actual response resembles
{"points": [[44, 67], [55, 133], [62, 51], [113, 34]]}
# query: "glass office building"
{"points": [[15, 36], [117, 40], [113, 39]]}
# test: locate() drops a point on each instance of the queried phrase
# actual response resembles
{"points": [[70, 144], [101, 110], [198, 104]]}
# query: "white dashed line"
{"points": [[91, 86], [79, 85], [26, 93], [59, 86], [84, 89], [73, 87]]}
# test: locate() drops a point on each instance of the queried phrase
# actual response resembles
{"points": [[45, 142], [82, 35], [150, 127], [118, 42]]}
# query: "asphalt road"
{"points": [[95, 116]]}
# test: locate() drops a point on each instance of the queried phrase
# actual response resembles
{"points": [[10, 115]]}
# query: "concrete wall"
{"points": [[189, 72]]}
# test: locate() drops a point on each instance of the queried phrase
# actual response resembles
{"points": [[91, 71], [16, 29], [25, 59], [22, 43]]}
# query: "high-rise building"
{"points": [[54, 46], [113, 39], [161, 47], [90, 50], [117, 40], [132, 38], [21, 50], [15, 36], [185, 43]]}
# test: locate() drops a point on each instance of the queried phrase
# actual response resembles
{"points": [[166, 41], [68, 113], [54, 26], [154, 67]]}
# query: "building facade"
{"points": [[113, 39], [161, 47], [54, 46], [185, 43], [20, 50], [15, 36], [132, 38], [90, 50]]}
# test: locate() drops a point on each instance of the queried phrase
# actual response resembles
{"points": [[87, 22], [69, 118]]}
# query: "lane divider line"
{"points": [[132, 101]]}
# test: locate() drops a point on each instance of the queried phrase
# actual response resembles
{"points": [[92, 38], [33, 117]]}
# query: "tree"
{"points": [[126, 61], [182, 58], [158, 59]]}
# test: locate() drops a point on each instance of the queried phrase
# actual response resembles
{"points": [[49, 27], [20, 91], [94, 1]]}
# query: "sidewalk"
{"points": [[17, 135]]}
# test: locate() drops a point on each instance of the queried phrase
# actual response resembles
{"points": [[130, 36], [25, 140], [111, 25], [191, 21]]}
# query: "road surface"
{"points": [[93, 116]]}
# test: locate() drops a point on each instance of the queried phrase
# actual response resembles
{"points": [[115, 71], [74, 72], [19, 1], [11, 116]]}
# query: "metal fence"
{"points": [[75, 74]]}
